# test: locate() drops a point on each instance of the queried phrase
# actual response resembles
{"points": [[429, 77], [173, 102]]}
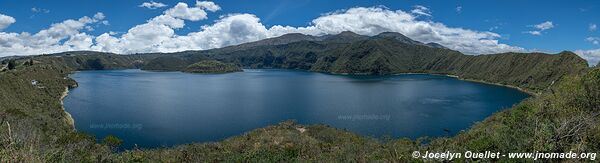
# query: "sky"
{"points": [[29, 27]]}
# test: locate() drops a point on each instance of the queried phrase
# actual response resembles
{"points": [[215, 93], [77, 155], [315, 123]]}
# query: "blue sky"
{"points": [[572, 23]]}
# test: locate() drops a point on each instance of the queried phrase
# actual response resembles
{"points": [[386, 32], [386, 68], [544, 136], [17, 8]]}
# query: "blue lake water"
{"points": [[154, 109]]}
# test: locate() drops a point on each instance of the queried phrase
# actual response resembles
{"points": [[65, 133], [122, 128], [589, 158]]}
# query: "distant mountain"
{"points": [[399, 37], [10, 57], [435, 45], [283, 39], [404, 39], [343, 37]]}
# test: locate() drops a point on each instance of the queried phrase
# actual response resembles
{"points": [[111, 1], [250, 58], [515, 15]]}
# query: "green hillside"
{"points": [[165, 63]]}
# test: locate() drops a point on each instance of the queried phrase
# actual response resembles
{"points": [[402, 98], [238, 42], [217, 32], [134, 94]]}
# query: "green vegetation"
{"points": [[33, 125], [11, 65], [563, 117], [212, 66], [166, 63], [384, 56], [112, 141]]}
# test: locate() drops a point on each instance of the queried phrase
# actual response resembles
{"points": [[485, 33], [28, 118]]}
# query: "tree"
{"points": [[11, 64], [30, 62]]}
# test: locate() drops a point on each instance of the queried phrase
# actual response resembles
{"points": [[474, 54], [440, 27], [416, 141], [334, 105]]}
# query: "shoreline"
{"points": [[457, 77], [68, 118], [486, 82], [404, 73], [498, 84]]}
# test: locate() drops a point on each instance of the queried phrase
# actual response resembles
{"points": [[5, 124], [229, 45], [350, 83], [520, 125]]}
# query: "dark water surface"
{"points": [[153, 109]]}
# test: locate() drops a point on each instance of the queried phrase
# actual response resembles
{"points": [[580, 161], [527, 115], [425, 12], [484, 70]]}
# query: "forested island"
{"points": [[212, 66], [563, 116]]}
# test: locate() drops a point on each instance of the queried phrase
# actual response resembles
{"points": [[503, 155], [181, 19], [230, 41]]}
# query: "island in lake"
{"points": [[212, 66]]}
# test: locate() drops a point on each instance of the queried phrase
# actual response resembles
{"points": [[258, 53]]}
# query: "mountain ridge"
{"points": [[349, 53]]}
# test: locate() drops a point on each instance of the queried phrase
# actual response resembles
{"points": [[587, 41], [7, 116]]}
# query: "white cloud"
{"points": [[593, 40], [158, 34], [535, 33], [230, 30], [63, 36], [89, 28], [541, 27], [182, 11], [544, 26], [592, 27], [39, 10], [168, 21], [592, 56], [5, 21], [99, 16], [152, 5], [207, 5], [421, 10], [79, 41], [459, 9]]}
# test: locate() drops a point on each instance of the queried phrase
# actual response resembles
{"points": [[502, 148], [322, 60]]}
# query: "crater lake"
{"points": [[155, 109]]}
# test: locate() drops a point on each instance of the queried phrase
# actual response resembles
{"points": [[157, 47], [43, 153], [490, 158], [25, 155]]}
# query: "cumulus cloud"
{"points": [[152, 5], [99, 16], [5, 21], [421, 10], [540, 27], [592, 56], [183, 11], [158, 34], [208, 5], [593, 40], [63, 36], [592, 27]]}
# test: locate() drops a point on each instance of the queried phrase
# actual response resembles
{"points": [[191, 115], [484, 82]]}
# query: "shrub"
{"points": [[112, 141]]}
